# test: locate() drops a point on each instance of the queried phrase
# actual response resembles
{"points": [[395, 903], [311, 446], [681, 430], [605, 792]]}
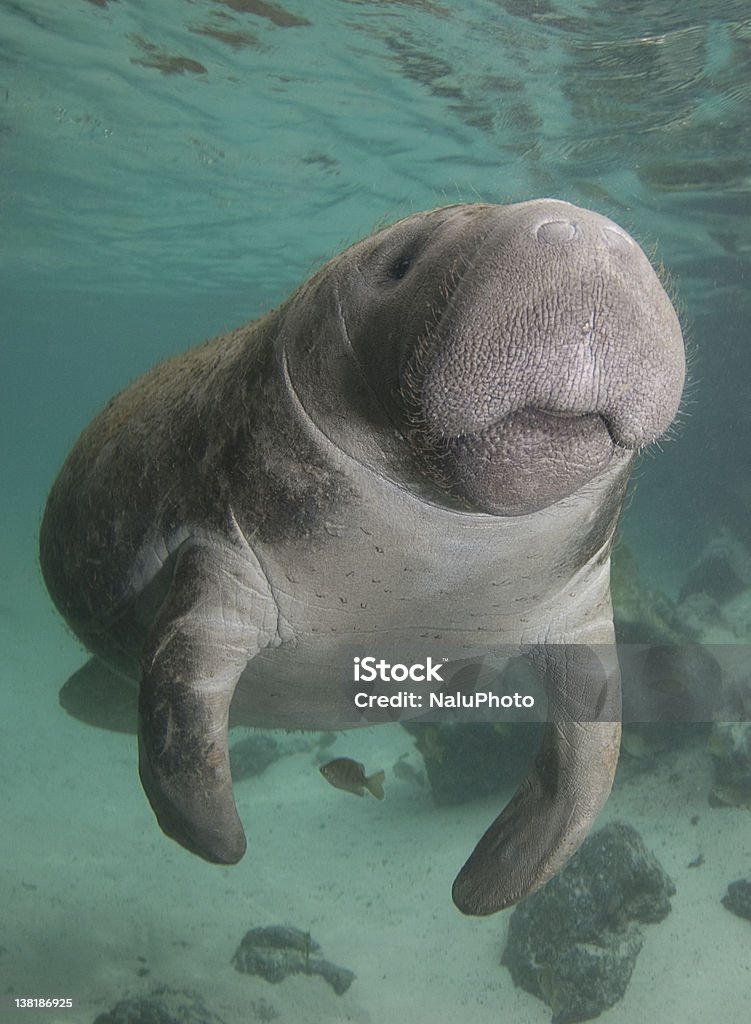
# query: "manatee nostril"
{"points": [[555, 232], [617, 240]]}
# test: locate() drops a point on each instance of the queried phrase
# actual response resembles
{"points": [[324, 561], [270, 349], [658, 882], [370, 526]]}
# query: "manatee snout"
{"points": [[557, 352]]}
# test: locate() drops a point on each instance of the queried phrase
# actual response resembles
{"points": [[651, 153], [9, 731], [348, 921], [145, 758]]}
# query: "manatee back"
{"points": [[146, 468]]}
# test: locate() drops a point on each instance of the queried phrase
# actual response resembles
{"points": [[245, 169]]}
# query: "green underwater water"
{"points": [[170, 169]]}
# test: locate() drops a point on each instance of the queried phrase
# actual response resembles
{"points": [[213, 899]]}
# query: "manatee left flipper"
{"points": [[205, 633], [553, 810]]}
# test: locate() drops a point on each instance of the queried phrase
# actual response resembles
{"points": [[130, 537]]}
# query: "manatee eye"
{"points": [[401, 266]]}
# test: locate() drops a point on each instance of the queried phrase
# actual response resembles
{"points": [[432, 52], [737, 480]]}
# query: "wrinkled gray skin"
{"points": [[432, 436]]}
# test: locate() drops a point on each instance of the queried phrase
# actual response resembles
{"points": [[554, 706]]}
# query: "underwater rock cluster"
{"points": [[272, 953], [253, 754], [162, 1006], [714, 599], [469, 761], [642, 615], [671, 683], [738, 898], [466, 760], [730, 747], [276, 951], [574, 943], [712, 605]]}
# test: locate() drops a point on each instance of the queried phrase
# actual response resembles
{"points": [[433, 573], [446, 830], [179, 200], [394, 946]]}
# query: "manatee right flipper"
{"points": [[554, 808], [201, 641]]}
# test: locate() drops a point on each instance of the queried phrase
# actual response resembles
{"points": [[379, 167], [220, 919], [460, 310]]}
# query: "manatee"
{"points": [[431, 437]]}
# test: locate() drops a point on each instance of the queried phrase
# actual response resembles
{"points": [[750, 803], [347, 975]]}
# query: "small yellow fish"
{"points": [[344, 773]]}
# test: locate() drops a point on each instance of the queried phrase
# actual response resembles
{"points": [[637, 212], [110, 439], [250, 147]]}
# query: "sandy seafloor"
{"points": [[99, 905]]}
